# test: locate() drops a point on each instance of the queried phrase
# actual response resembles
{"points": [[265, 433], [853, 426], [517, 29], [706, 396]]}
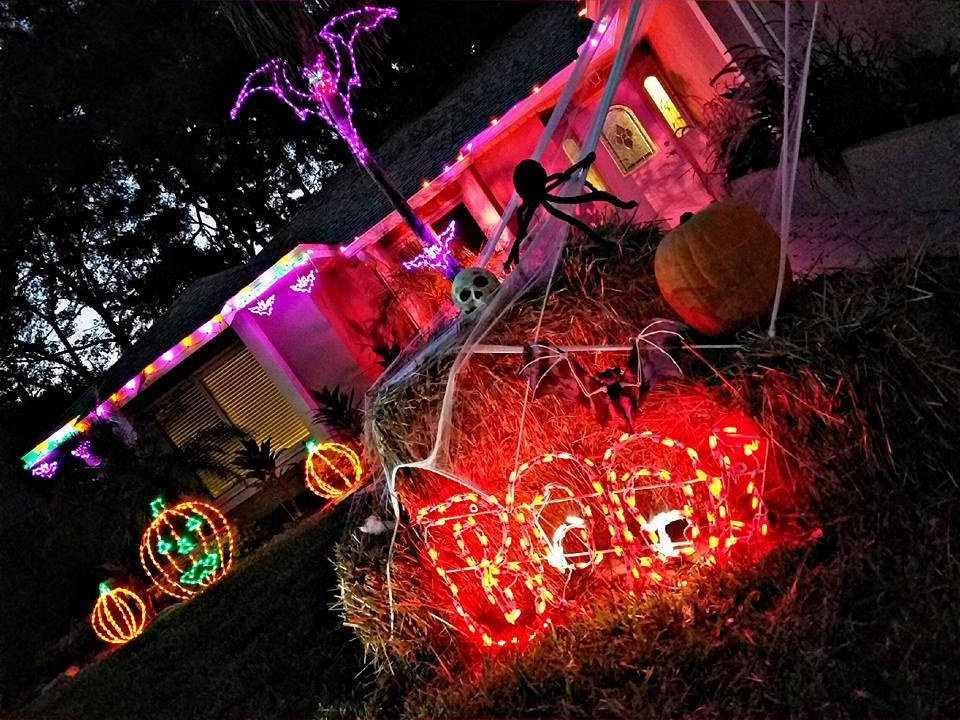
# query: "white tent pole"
{"points": [[790, 157], [573, 82]]}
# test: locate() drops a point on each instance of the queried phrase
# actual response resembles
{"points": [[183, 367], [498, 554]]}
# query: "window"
{"points": [[235, 392], [625, 138], [665, 105], [468, 234]]}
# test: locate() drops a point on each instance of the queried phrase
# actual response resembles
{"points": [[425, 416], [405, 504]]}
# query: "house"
{"points": [[246, 346]]}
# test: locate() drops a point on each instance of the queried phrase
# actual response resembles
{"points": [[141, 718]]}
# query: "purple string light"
{"points": [[438, 256], [45, 469], [85, 453], [329, 81]]}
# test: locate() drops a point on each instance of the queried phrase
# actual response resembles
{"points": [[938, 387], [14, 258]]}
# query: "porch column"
{"points": [[279, 372]]}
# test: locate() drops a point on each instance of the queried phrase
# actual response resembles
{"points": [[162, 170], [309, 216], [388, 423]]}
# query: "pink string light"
{"points": [[328, 80], [438, 256], [84, 452]]}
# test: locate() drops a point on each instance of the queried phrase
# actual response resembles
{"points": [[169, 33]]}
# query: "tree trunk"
{"points": [[409, 216]]}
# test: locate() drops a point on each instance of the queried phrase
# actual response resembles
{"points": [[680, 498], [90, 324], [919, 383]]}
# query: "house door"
{"points": [[645, 153]]}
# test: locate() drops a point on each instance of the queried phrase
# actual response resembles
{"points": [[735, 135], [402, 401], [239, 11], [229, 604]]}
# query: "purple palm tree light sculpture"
{"points": [[323, 88]]}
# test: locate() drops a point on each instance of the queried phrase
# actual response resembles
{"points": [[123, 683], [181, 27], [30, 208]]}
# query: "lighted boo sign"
{"points": [[646, 513]]}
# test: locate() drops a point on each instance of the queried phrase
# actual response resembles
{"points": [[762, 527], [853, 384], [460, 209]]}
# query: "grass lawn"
{"points": [[858, 620], [262, 643]]}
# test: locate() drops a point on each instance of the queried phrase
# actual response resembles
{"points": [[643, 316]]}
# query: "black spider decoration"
{"points": [[533, 185]]}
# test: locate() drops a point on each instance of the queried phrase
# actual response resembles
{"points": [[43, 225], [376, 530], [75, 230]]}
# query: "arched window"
{"points": [[571, 148], [625, 138]]}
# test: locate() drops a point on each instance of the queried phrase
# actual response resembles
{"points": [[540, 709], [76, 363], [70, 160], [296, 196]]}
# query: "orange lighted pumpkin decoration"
{"points": [[186, 548], [718, 270], [119, 615], [331, 469]]}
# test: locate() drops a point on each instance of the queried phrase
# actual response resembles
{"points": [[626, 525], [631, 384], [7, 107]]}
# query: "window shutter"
{"points": [[252, 402], [187, 411], [236, 389]]}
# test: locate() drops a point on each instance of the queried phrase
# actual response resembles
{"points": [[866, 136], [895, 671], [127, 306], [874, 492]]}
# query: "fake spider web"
{"points": [[511, 554]]}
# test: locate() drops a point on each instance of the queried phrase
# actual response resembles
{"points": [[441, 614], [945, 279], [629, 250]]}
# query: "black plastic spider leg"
{"points": [[553, 182], [556, 179], [595, 196], [580, 225], [524, 215]]}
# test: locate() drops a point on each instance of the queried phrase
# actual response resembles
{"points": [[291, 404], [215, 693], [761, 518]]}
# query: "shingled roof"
{"points": [[538, 46]]}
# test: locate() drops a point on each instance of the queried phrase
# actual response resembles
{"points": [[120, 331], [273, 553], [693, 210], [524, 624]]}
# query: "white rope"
{"points": [[591, 45], [790, 152]]}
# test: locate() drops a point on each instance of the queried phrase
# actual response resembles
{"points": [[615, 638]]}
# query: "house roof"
{"points": [[537, 47]]}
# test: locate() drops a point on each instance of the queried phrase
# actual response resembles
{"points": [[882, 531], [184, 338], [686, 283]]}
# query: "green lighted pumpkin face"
{"points": [[186, 548]]}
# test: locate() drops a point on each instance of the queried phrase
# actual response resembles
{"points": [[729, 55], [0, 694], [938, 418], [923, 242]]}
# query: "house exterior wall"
{"points": [[364, 297], [325, 338]]}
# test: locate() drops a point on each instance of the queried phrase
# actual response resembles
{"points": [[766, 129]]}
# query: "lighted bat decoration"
{"points": [[534, 187], [614, 393], [322, 87]]}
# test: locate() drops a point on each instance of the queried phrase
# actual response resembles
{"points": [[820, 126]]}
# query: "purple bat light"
{"points": [[84, 452], [438, 255], [322, 88], [45, 469]]}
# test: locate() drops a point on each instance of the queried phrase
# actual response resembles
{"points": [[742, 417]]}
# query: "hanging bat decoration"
{"points": [[534, 187], [614, 393], [322, 87]]}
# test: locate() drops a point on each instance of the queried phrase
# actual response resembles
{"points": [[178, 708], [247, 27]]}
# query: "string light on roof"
{"points": [[263, 307], [238, 302]]}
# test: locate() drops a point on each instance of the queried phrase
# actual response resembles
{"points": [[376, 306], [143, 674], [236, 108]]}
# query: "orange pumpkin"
{"points": [[119, 615], [718, 270]]}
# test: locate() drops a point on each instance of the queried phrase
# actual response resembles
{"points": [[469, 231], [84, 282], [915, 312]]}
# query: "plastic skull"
{"points": [[472, 287]]}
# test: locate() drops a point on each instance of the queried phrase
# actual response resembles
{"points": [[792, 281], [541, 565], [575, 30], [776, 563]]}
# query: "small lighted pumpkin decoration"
{"points": [[331, 469], [119, 615], [718, 270], [186, 548]]}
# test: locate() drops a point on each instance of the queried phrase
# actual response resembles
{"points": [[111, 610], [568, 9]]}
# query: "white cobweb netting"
{"points": [[452, 424]]}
